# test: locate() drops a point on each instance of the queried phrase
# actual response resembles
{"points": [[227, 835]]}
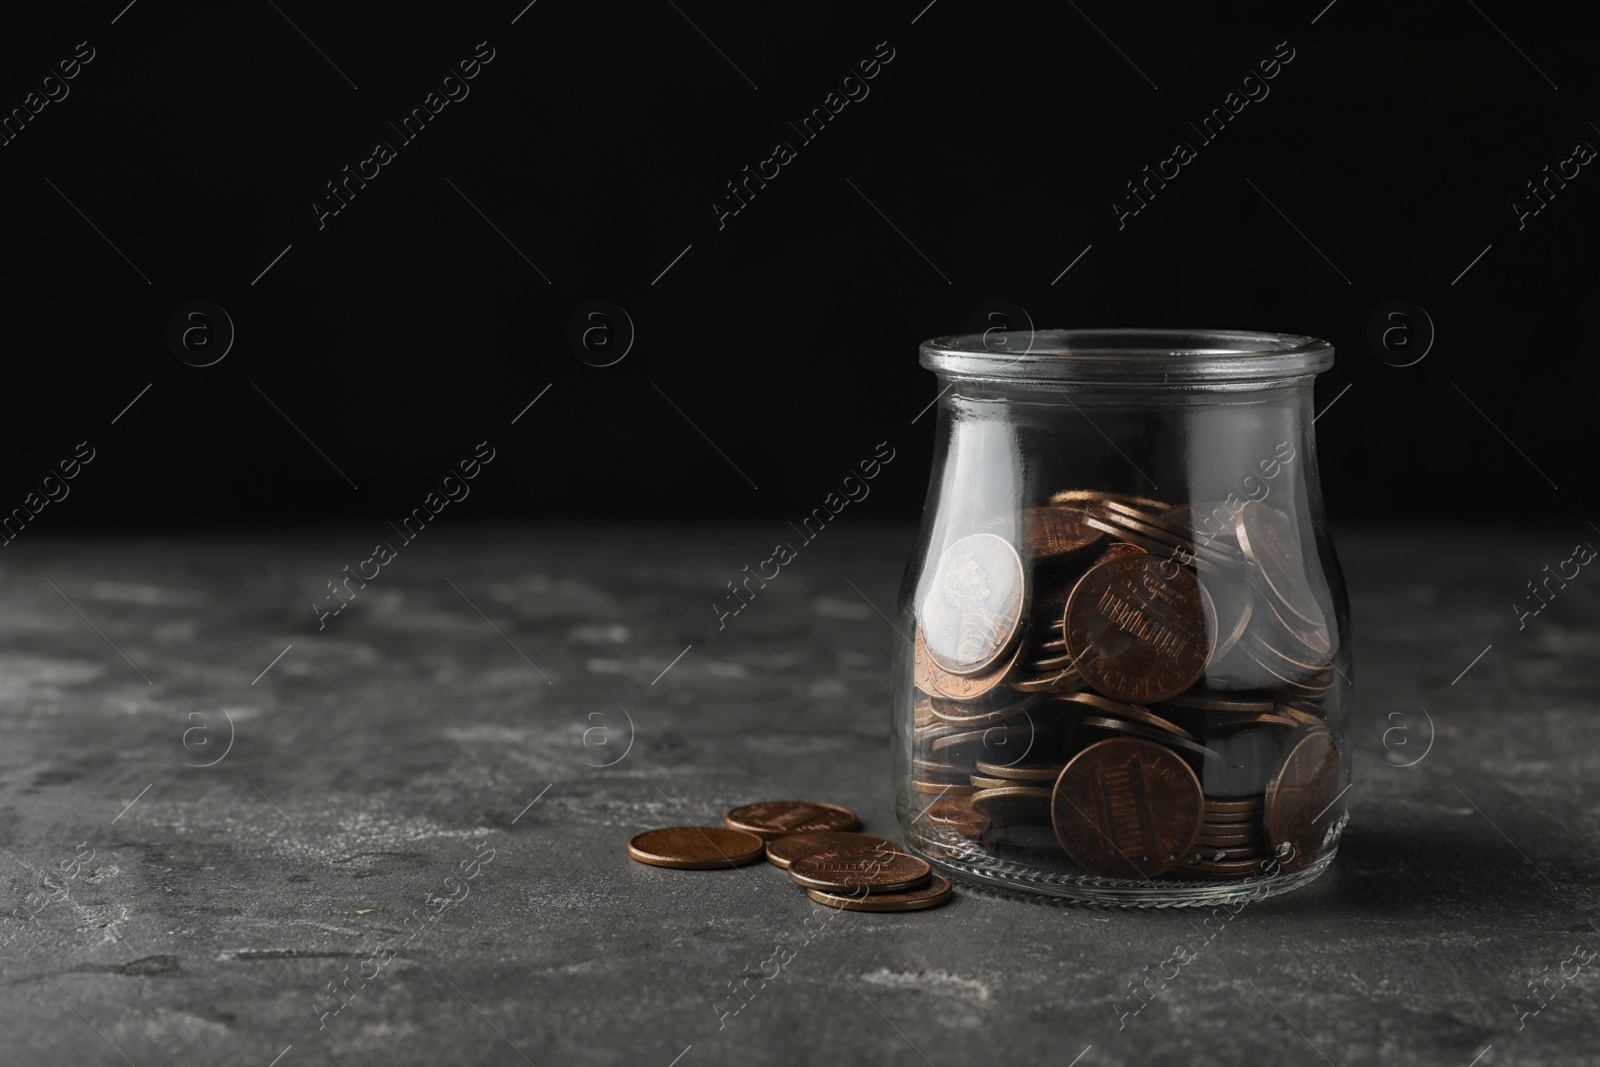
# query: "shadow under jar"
{"points": [[1123, 675]]}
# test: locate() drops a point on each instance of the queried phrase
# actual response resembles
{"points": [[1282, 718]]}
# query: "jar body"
{"points": [[1123, 671]]}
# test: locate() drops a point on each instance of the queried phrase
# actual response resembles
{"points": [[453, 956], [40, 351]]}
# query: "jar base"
{"points": [[1118, 893]]}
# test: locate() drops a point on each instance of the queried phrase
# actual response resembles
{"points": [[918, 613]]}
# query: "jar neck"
{"points": [[1184, 443]]}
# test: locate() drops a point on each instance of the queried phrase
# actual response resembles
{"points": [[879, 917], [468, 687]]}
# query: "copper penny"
{"points": [[1145, 521], [922, 741], [1013, 804], [695, 848], [1150, 545], [1200, 701], [1139, 629], [1240, 804], [875, 870], [1162, 543], [936, 892], [1087, 499], [1299, 715], [773, 818], [942, 789], [1248, 834], [1225, 869], [1176, 525], [1122, 548], [973, 607], [1062, 681], [1127, 808], [960, 713], [1263, 719], [1128, 711], [1149, 511], [1268, 539], [931, 778], [983, 781], [1024, 772], [955, 813], [783, 851], [932, 678], [1300, 803], [1080, 496], [1057, 532], [1139, 511], [933, 766], [1095, 500], [1216, 821]]}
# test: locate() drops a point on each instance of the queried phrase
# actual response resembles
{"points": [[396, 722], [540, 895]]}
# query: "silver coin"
{"points": [[973, 608]]}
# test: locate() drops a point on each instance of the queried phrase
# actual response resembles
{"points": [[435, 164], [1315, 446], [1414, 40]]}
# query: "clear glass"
{"points": [[1123, 673]]}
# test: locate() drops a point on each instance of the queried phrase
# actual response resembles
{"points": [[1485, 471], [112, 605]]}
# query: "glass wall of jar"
{"points": [[1123, 674]]}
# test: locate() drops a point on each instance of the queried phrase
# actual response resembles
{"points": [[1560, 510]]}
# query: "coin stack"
{"points": [[814, 842], [1230, 840], [1136, 683]]}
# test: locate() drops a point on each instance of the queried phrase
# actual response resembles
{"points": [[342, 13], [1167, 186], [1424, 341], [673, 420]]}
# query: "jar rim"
{"points": [[1126, 355]]}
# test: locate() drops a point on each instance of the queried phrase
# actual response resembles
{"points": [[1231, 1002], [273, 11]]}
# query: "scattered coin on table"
{"points": [[931, 895], [813, 841], [693, 848], [874, 870], [782, 851], [773, 818]]}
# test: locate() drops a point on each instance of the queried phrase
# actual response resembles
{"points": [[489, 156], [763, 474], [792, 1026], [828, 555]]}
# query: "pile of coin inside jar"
{"points": [[1082, 669], [814, 842]]}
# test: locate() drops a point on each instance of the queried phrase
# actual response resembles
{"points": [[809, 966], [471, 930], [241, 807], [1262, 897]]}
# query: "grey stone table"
{"points": [[233, 837]]}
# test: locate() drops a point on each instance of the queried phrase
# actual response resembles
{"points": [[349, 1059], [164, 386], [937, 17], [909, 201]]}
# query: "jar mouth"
{"points": [[1126, 355]]}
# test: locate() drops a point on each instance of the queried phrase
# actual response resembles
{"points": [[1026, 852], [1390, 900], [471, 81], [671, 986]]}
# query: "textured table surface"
{"points": [[394, 845]]}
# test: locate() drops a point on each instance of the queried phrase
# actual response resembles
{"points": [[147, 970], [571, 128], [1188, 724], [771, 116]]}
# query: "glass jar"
{"points": [[1123, 672]]}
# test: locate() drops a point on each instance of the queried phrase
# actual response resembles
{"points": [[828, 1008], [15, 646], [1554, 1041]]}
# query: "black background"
{"points": [[408, 329]]}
